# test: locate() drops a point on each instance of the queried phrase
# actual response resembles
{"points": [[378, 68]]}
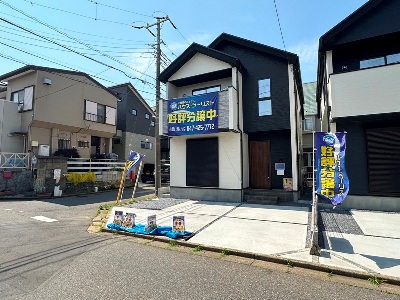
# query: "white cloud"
{"points": [[308, 55]]}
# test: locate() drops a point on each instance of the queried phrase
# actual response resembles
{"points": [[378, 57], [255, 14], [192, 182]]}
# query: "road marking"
{"points": [[44, 219], [21, 211], [8, 209]]}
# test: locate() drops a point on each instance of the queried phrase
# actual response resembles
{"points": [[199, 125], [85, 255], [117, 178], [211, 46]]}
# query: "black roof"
{"points": [[190, 52], [226, 38], [26, 68]]}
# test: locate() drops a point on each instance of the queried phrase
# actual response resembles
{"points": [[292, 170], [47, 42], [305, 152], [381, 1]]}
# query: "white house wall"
{"points": [[294, 126], [10, 121], [228, 158], [199, 64], [365, 92]]}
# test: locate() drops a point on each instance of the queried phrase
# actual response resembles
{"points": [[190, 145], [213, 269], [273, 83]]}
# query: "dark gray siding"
{"points": [[356, 156], [280, 152], [261, 66], [128, 122], [121, 107]]}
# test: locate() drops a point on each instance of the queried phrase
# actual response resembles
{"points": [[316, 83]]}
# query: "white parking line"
{"points": [[8, 209], [44, 219]]}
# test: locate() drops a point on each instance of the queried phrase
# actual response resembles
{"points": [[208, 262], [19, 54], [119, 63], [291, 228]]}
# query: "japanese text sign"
{"points": [[193, 115], [332, 181]]}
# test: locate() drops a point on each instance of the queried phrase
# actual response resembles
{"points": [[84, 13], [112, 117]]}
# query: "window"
{"points": [[134, 112], [147, 116], [374, 62], [210, 89], [24, 99], [392, 59], [264, 95], [152, 123], [308, 124], [307, 159], [99, 113], [83, 144], [64, 144], [146, 145], [380, 61]]}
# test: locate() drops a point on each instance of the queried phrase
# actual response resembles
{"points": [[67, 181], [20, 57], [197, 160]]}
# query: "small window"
{"points": [[147, 116], [83, 144], [24, 99], [264, 88], [264, 108], [64, 144], [210, 89], [152, 123], [101, 113], [374, 62], [146, 145], [393, 59], [134, 112], [308, 124]]}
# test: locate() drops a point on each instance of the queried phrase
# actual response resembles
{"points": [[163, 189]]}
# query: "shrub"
{"points": [[76, 178], [70, 153]]}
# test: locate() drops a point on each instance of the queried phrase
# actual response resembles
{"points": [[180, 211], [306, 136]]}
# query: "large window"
{"points": [[64, 144], [24, 98], [211, 89], [380, 61], [264, 97], [99, 113]]}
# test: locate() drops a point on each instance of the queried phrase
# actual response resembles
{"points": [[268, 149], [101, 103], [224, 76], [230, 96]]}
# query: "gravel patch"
{"points": [[158, 204]]}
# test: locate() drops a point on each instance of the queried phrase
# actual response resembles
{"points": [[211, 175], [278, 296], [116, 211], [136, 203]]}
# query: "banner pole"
{"points": [[137, 179], [121, 184]]}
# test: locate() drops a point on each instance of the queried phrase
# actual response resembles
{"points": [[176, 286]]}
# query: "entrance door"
{"points": [[260, 165]]}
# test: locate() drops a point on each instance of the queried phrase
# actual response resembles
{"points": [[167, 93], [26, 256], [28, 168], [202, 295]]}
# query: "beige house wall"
{"points": [[10, 121]]}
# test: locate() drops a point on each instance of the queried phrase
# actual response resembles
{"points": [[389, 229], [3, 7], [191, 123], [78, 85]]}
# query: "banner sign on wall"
{"points": [[193, 115], [331, 177]]}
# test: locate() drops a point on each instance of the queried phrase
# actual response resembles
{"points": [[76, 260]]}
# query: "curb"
{"points": [[267, 258]]}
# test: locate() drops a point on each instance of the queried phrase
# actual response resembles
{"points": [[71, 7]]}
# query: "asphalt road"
{"points": [[46, 259]]}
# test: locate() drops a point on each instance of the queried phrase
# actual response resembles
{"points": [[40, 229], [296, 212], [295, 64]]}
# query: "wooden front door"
{"points": [[260, 165]]}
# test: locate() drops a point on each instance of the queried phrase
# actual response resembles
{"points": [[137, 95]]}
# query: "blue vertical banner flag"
{"points": [[331, 178], [133, 160], [193, 115]]}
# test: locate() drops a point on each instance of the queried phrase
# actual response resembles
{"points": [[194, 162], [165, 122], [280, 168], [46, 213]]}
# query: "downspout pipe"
{"points": [[241, 134]]}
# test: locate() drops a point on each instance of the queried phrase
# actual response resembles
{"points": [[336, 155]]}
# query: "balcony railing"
{"points": [[14, 160], [95, 118]]}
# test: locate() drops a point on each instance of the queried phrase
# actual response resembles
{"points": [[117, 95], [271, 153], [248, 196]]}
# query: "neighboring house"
{"points": [[358, 92], [257, 122], [59, 109], [135, 124], [311, 123]]}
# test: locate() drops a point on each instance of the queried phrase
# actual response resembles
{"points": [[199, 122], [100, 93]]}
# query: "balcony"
{"points": [[227, 111], [365, 92]]}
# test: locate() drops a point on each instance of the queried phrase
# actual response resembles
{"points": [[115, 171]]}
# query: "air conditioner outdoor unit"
{"points": [[47, 81], [44, 150]]}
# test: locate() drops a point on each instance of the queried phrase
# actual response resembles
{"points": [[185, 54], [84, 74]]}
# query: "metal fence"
{"points": [[84, 165], [10, 160]]}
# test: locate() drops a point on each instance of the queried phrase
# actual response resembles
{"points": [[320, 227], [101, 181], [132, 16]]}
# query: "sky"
{"points": [[99, 37]]}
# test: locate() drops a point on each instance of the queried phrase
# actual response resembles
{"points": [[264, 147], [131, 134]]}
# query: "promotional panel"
{"points": [[193, 115], [331, 178]]}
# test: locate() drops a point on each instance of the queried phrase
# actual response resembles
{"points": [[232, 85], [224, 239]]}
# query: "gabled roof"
{"points": [[135, 92], [226, 38], [349, 21], [190, 52], [8, 76]]}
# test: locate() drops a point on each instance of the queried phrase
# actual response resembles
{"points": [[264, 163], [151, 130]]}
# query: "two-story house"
{"points": [[358, 92], [135, 124], [60, 109], [311, 123], [233, 115]]}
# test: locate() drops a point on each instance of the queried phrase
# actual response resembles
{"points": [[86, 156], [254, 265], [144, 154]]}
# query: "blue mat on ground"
{"points": [[160, 230]]}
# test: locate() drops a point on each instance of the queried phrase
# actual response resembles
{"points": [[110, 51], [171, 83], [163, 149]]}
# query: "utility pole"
{"points": [[157, 178], [157, 148]]}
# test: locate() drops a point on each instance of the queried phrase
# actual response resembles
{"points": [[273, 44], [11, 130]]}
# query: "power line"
{"points": [[72, 50], [109, 6], [70, 37], [280, 28]]}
